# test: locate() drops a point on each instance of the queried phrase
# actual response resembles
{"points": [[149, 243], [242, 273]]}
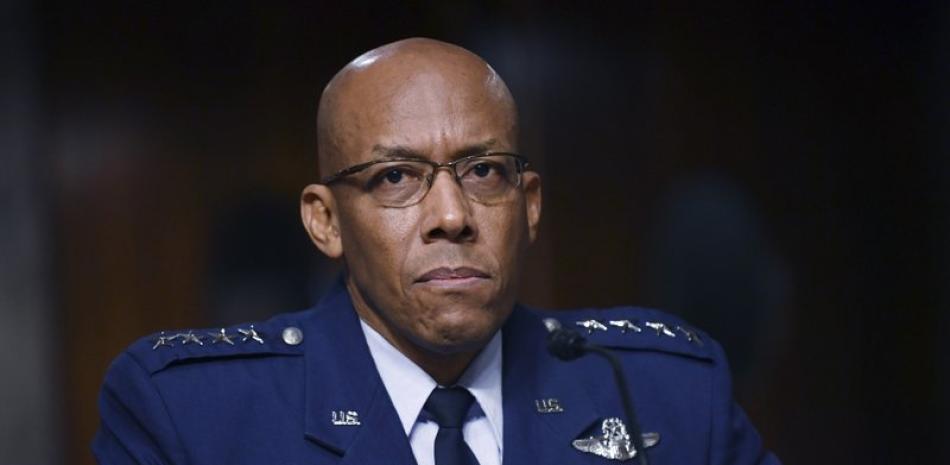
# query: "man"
{"points": [[421, 355]]}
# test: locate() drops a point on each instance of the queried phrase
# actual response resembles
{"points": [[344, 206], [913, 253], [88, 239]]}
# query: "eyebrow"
{"points": [[384, 152]]}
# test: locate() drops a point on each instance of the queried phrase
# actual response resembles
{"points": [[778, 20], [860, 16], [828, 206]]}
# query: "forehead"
{"points": [[434, 111]]}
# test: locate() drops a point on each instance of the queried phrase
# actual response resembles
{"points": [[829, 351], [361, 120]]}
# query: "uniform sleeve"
{"points": [[135, 426], [734, 440]]}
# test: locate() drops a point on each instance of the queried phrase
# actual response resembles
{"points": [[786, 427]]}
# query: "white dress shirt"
{"points": [[409, 387]]}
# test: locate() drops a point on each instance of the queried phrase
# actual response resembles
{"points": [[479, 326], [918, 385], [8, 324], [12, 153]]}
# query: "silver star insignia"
{"points": [[624, 325], [660, 328], [221, 336], [691, 335], [190, 336], [251, 334], [615, 443], [163, 340], [591, 325]]}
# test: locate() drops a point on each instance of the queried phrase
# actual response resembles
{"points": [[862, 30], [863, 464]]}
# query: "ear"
{"points": [[318, 212], [532, 194]]}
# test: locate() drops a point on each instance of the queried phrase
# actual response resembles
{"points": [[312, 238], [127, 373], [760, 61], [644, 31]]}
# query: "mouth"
{"points": [[453, 277]]}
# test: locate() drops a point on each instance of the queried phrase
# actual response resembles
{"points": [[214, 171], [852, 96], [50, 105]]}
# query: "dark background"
{"points": [[776, 173]]}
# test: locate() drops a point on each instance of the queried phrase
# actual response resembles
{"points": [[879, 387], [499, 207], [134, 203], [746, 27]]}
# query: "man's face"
{"points": [[441, 274]]}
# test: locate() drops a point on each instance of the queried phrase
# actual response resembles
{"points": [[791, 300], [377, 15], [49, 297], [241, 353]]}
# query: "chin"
{"points": [[460, 336], [454, 325], [456, 347]]}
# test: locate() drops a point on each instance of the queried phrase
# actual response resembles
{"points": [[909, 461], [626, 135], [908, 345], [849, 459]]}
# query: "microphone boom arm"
{"points": [[628, 409], [567, 344]]}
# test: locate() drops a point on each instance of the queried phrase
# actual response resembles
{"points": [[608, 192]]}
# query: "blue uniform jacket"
{"points": [[267, 398]]}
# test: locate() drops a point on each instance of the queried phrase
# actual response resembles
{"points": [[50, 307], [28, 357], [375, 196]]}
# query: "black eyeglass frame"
{"points": [[523, 165]]}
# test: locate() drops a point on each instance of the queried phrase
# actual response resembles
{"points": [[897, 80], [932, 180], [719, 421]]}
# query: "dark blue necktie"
{"points": [[449, 407]]}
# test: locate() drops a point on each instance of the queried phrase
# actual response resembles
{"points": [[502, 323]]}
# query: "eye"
{"points": [[393, 176], [482, 169], [485, 170]]}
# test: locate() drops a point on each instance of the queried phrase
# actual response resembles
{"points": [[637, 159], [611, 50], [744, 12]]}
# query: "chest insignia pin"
{"points": [[614, 443], [550, 405], [345, 418], [591, 325]]}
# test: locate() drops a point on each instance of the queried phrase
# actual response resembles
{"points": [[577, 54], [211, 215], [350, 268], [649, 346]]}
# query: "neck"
{"points": [[444, 368]]}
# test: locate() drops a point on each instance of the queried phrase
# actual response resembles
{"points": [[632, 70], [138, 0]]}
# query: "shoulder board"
{"points": [[634, 328], [281, 335]]}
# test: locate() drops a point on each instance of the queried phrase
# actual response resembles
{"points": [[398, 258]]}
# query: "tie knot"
{"points": [[449, 406]]}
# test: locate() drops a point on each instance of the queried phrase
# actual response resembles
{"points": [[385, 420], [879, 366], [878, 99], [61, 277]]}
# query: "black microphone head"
{"points": [[564, 344]]}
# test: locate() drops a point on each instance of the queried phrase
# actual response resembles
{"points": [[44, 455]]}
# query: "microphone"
{"points": [[567, 344], [564, 344]]}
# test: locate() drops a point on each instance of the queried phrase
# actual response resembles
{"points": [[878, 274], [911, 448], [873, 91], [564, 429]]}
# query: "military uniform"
{"points": [[302, 388]]}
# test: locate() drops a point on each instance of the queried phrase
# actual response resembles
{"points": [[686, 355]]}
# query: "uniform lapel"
{"points": [[341, 376], [531, 374], [383, 439]]}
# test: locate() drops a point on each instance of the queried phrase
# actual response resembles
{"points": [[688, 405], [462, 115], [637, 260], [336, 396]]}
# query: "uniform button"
{"points": [[292, 335]]}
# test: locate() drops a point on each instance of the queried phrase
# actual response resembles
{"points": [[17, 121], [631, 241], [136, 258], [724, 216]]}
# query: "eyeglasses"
{"points": [[402, 182]]}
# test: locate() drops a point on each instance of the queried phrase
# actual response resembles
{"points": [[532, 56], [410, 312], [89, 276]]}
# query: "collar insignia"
{"points": [[344, 418], [550, 405]]}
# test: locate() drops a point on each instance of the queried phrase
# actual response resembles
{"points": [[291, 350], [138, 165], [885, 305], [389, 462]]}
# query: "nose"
{"points": [[447, 212]]}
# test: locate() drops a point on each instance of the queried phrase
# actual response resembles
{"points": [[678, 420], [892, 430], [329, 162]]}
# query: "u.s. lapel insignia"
{"points": [[614, 443], [345, 418], [625, 325], [550, 405], [591, 325]]}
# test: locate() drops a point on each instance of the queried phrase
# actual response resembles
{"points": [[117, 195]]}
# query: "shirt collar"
{"points": [[409, 386], [483, 379]]}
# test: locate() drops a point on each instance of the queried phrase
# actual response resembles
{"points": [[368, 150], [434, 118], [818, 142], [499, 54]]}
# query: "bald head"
{"points": [[410, 85]]}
